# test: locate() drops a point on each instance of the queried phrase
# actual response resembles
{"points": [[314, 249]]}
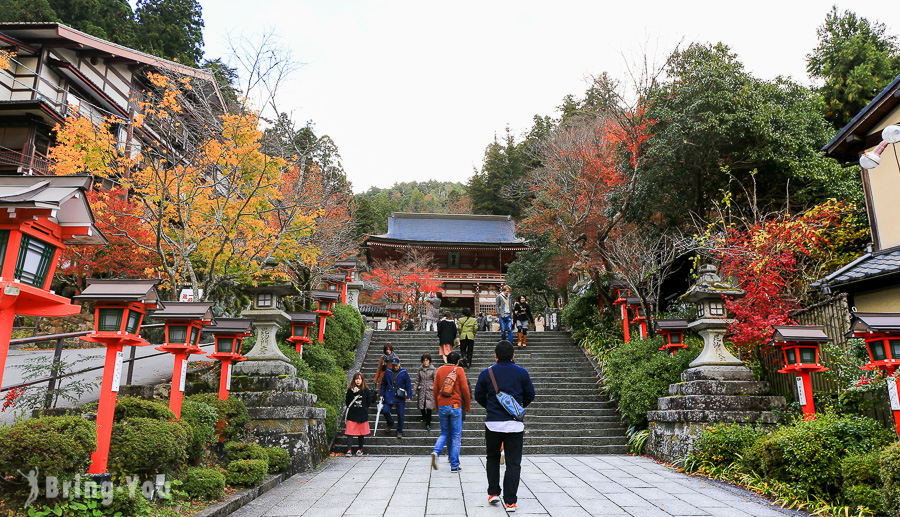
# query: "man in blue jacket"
{"points": [[502, 430], [395, 388]]}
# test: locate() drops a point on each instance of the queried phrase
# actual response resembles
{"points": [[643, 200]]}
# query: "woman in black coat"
{"points": [[522, 317], [359, 398], [446, 331]]}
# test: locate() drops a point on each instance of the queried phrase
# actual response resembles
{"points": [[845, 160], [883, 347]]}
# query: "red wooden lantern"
{"points": [[636, 310], [881, 332], [119, 309], [336, 282], [347, 267], [622, 292], [325, 301], [393, 320], [229, 334], [184, 322], [301, 322], [800, 348], [672, 332], [40, 216]]}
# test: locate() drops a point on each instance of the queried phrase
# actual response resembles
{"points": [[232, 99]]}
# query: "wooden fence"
{"points": [[834, 315]]}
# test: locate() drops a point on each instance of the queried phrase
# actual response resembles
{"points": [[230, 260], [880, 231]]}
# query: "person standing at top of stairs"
{"points": [[433, 311], [522, 314], [504, 312]]}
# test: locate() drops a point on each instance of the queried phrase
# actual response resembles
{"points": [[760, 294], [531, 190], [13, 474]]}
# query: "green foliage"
{"points": [[581, 313], [136, 407], [862, 483], [326, 380], [55, 446], [91, 504], [278, 459], [200, 483], [146, 447], [530, 275], [856, 58], [492, 189], [637, 441], [201, 419], [636, 374], [246, 472], [722, 444], [245, 451], [343, 333], [374, 206], [232, 410], [171, 28], [889, 469], [69, 389]]}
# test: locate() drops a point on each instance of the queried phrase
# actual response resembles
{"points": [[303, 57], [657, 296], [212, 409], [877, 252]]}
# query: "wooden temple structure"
{"points": [[471, 252]]}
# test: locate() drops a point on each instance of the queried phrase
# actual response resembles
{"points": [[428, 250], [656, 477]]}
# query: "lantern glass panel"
{"points": [[895, 348], [716, 309], [4, 243], [177, 334], [110, 320], [675, 339], [877, 350], [195, 335], [134, 322], [224, 345], [808, 355], [323, 306], [237, 346], [791, 356], [640, 312], [264, 300], [34, 261], [332, 287], [701, 310]]}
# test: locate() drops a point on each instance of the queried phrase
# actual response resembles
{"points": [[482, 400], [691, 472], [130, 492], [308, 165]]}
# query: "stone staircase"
{"points": [[570, 415]]}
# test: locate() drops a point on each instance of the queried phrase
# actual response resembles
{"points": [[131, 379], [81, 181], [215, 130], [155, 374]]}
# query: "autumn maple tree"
{"points": [[406, 280]]}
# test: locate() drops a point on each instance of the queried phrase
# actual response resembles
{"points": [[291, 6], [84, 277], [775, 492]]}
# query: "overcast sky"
{"points": [[415, 90]]}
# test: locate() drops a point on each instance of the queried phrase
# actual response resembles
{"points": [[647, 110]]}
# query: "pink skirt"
{"points": [[357, 428], [445, 349]]}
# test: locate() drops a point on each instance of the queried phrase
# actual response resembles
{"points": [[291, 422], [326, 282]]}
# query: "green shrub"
{"points": [[342, 334], [232, 410], [765, 457], [131, 407], [862, 483], [889, 469], [246, 472], [278, 459], [581, 312], [58, 446], [636, 374], [146, 447], [245, 451], [721, 445], [199, 483], [201, 420]]}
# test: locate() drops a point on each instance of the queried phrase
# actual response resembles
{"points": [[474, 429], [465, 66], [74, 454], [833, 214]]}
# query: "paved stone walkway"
{"points": [[569, 486]]}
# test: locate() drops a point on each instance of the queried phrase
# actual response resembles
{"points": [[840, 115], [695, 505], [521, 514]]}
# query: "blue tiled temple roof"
{"points": [[457, 228]]}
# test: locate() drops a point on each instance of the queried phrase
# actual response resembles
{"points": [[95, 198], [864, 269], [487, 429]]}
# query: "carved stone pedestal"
{"points": [[265, 358]]}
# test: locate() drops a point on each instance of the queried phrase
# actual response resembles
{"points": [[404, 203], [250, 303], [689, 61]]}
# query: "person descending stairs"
{"points": [[570, 415]]}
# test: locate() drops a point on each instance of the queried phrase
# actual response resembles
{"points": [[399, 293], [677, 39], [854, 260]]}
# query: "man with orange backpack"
{"points": [[451, 396]]}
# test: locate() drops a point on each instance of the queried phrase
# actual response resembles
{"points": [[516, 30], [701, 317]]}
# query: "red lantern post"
{"points": [[634, 307], [347, 267], [393, 319], [184, 322], [119, 309], [336, 282], [622, 294], [881, 332], [672, 332], [40, 216], [229, 334], [325, 300], [301, 322], [800, 349]]}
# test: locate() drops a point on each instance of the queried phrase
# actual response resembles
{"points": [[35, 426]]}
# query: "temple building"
{"points": [[471, 252]]}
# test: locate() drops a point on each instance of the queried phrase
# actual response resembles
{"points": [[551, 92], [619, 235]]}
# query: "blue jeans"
{"points": [[451, 427], [506, 328], [401, 413]]}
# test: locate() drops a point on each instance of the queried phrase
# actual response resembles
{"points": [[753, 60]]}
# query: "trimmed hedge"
{"points": [[146, 447], [861, 481], [232, 410], [246, 472], [201, 418], [200, 483], [722, 444], [278, 459], [136, 407], [245, 451], [889, 469]]}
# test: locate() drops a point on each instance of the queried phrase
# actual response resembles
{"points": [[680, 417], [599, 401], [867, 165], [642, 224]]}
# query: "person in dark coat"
{"points": [[395, 389], [358, 399], [502, 431], [482, 322], [522, 315], [446, 331], [424, 392]]}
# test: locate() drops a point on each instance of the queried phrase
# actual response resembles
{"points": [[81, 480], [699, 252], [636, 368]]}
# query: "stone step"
{"points": [[417, 430], [539, 418], [722, 403], [719, 388], [478, 450], [276, 398], [245, 383], [739, 417]]}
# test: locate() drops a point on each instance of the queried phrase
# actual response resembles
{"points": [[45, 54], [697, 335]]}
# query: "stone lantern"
{"points": [[672, 332], [119, 309], [301, 323], [266, 359], [229, 334], [393, 310], [40, 216], [881, 332], [184, 322], [325, 300], [800, 349], [716, 388]]}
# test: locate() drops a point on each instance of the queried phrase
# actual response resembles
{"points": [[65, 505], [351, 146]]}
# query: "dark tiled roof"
{"points": [[870, 265], [372, 310], [799, 334], [459, 228]]}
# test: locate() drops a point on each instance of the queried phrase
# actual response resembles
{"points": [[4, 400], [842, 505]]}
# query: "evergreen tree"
{"points": [[172, 29]]}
